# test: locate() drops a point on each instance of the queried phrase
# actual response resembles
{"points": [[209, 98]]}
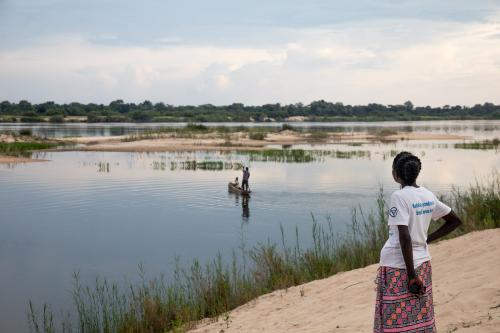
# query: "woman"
{"points": [[404, 281]]}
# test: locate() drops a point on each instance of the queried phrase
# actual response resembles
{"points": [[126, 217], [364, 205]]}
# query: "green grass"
{"points": [[211, 290], [24, 148], [479, 206]]}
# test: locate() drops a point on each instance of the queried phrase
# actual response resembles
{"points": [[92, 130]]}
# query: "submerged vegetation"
{"points": [[301, 155], [486, 144], [269, 155], [194, 165], [281, 155], [211, 290]]}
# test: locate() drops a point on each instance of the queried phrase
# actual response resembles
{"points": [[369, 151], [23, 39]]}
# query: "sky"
{"points": [[254, 52]]}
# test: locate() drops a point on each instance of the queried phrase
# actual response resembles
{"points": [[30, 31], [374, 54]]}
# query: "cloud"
{"points": [[384, 61]]}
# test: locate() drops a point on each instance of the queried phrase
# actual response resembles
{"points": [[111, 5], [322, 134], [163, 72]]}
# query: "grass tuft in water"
{"points": [[482, 145]]}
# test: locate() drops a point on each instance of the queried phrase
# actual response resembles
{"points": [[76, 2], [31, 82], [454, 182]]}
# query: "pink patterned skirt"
{"points": [[396, 309]]}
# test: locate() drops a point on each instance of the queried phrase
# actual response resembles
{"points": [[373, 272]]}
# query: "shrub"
{"points": [[257, 135], [196, 127], [57, 119], [32, 119], [25, 132], [287, 127], [318, 135]]}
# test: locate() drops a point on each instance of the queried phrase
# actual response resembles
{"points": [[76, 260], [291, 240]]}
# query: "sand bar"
{"points": [[466, 295], [239, 141], [14, 159]]}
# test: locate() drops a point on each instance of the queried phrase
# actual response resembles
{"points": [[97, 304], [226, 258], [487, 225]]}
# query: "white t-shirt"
{"points": [[414, 207]]}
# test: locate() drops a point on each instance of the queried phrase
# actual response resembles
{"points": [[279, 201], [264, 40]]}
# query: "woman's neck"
{"points": [[413, 185]]}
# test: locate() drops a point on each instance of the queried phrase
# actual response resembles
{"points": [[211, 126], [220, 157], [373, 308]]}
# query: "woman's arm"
{"points": [[415, 284], [452, 221], [407, 248]]}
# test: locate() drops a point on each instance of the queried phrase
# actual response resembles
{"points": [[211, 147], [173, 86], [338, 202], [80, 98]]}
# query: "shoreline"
{"points": [[466, 296], [15, 160]]}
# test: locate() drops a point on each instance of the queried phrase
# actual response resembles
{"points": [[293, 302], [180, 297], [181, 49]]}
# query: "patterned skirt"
{"points": [[396, 309]]}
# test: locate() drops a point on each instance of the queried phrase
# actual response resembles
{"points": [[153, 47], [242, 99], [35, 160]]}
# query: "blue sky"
{"points": [[255, 52]]}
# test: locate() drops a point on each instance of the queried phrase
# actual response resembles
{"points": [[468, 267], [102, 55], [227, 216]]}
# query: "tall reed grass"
{"points": [[212, 289], [24, 148]]}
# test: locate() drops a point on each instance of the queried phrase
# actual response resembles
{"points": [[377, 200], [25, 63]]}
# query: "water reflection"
{"points": [[245, 205]]}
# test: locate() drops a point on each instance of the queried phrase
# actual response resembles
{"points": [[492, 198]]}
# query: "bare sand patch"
{"points": [[297, 119], [466, 296]]}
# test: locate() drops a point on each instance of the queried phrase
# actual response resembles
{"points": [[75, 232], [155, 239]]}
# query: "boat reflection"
{"points": [[245, 208]]}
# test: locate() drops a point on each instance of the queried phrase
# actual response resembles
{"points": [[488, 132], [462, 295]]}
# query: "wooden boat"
{"points": [[235, 189]]}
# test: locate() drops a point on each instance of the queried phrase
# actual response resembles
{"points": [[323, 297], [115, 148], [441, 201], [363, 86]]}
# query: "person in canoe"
{"points": [[236, 183], [246, 176]]}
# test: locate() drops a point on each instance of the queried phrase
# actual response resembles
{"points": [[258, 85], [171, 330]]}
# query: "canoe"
{"points": [[238, 190]]}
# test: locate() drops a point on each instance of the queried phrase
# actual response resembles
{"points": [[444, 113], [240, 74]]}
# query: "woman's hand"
{"points": [[416, 286]]}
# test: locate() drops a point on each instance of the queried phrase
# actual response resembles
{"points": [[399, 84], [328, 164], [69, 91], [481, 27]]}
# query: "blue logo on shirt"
{"points": [[393, 212]]}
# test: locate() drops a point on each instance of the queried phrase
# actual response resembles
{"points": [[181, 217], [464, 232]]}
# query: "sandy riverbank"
{"points": [[466, 296], [240, 141], [14, 159]]}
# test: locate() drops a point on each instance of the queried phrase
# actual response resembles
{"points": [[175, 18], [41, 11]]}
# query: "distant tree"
{"points": [[408, 105], [5, 107], [146, 105], [236, 107], [24, 106], [320, 110], [41, 109], [160, 107], [116, 105]]}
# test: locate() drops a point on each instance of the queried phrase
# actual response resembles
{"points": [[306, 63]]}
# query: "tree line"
{"points": [[119, 111]]}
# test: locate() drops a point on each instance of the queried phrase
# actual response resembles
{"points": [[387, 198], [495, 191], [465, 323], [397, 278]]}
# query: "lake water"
{"points": [[103, 213], [476, 128]]}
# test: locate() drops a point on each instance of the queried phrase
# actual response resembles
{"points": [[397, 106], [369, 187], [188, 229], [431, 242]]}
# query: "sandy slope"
{"points": [[466, 293]]}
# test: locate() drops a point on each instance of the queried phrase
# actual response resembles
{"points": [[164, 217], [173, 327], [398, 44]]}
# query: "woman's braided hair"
{"points": [[407, 167]]}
